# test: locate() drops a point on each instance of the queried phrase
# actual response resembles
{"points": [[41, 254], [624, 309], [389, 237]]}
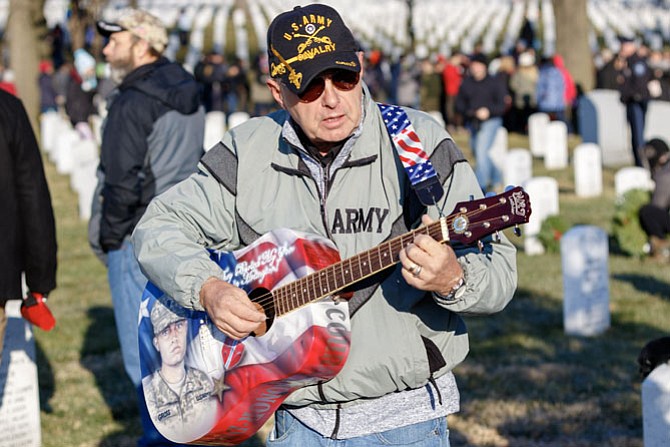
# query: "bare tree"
{"points": [[26, 32], [27, 42], [572, 42]]}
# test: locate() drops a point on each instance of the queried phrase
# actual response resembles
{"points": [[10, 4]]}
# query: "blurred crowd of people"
{"points": [[80, 81], [534, 83], [504, 91]]}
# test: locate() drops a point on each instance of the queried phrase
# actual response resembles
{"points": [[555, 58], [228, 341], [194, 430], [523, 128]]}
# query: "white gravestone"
{"points": [[537, 132], [84, 153], [588, 170], [215, 128], [584, 256], [49, 122], [518, 167], [64, 155], [656, 121], [19, 391], [86, 182], [656, 407], [499, 149], [60, 129], [632, 177], [556, 145], [543, 194], [237, 118], [603, 121]]}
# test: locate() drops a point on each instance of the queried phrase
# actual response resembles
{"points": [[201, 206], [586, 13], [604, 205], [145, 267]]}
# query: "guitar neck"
{"points": [[470, 221], [342, 274]]}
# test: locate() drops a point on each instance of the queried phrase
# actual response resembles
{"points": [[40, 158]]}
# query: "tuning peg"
{"points": [[472, 197], [480, 245], [496, 237], [509, 187], [490, 194], [517, 231]]}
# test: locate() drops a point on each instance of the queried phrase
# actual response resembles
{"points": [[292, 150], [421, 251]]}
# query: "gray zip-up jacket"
{"points": [[260, 178]]}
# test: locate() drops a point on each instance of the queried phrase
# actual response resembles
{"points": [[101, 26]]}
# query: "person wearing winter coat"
{"points": [[27, 228]]}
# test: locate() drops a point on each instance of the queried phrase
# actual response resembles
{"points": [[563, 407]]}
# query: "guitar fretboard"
{"points": [[342, 274]]}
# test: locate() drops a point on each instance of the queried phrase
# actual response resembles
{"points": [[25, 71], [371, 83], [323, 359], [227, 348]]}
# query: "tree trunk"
{"points": [[25, 32], [572, 40]]}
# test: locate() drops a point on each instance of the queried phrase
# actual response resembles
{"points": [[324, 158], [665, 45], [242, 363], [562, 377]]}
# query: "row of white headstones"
{"points": [[584, 248], [76, 153], [445, 26]]}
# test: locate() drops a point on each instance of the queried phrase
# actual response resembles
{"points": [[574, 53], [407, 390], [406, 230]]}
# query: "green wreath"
{"points": [[626, 228], [551, 231]]}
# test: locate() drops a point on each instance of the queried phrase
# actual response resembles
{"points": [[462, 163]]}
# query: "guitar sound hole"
{"points": [[262, 299]]}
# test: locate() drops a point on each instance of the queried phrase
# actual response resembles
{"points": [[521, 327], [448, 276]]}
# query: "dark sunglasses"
{"points": [[343, 80]]}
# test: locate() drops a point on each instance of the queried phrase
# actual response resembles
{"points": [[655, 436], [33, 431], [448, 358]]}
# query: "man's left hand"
{"points": [[429, 265]]}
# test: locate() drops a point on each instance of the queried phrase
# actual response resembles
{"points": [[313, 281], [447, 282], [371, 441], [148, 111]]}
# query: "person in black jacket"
{"points": [[27, 228], [481, 101], [633, 80], [152, 138]]}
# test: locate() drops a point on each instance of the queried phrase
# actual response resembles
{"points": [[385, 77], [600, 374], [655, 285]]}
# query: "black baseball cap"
{"points": [[626, 39], [479, 57], [308, 40]]}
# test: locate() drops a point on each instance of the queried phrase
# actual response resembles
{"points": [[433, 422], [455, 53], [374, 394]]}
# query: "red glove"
{"points": [[34, 309]]}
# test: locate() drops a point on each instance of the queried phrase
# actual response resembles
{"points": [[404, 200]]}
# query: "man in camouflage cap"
{"points": [[134, 26], [179, 398], [152, 139]]}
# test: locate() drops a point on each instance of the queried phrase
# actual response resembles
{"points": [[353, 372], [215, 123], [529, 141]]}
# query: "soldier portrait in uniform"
{"points": [[180, 398]]}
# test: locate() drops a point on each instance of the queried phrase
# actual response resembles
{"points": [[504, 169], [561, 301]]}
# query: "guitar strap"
{"points": [[414, 159]]}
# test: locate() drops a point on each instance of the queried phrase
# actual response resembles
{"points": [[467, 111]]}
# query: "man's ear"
{"points": [[361, 57], [141, 49], [275, 89], [155, 343]]}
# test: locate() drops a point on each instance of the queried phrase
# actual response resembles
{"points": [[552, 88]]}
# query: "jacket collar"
{"points": [[141, 72]]}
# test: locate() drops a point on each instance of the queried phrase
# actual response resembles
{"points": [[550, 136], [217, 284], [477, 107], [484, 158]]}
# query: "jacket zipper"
{"points": [[324, 196]]}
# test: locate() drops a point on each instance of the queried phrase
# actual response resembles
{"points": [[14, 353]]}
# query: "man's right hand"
{"points": [[230, 308]]}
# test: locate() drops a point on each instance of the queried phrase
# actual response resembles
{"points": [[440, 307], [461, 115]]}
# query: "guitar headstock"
{"points": [[475, 219]]}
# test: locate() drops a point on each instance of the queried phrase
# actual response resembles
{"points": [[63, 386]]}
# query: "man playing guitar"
{"points": [[327, 164]]}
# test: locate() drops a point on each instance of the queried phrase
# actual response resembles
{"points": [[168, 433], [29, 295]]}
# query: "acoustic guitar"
{"points": [[232, 387]]}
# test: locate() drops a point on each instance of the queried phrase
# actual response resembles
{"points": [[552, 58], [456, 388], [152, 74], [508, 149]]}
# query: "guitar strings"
{"points": [[282, 293]]}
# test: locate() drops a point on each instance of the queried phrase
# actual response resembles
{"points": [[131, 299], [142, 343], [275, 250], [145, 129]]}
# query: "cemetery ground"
{"points": [[524, 383]]}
